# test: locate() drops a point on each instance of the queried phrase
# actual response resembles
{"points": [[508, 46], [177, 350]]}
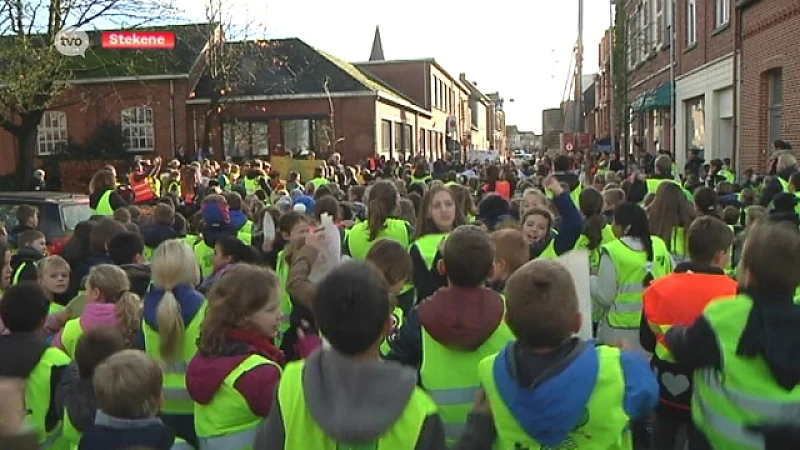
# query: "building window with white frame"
{"points": [[691, 22], [658, 24], [647, 42], [775, 104], [723, 12], [52, 133], [668, 9], [137, 129]]}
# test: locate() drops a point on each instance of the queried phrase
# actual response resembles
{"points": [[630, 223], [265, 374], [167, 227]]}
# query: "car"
{"points": [[59, 213]]}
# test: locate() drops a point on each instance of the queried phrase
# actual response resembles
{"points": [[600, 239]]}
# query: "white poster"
{"points": [[577, 262]]}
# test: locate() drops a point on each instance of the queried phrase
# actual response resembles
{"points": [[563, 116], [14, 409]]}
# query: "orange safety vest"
{"points": [[501, 188], [679, 299], [142, 190]]}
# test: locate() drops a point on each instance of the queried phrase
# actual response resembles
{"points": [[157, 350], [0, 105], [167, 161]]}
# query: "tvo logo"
{"points": [[72, 42]]}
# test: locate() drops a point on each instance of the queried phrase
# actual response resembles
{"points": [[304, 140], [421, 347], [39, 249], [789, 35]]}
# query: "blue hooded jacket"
{"points": [[189, 303], [555, 403]]}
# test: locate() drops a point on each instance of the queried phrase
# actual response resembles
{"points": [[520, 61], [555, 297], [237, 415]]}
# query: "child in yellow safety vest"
{"points": [[446, 335], [128, 389], [538, 225], [510, 253], [75, 393], [25, 355], [744, 350], [394, 263], [548, 389], [345, 396], [236, 370], [228, 251]]}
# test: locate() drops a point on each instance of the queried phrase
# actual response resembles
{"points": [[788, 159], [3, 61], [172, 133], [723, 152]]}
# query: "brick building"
{"points": [[769, 106], [648, 32], [603, 91], [704, 79]]}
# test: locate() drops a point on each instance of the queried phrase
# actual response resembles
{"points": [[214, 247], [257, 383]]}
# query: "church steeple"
{"points": [[377, 46]]}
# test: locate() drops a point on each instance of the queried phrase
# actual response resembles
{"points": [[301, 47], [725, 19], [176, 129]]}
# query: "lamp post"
{"points": [[611, 104]]}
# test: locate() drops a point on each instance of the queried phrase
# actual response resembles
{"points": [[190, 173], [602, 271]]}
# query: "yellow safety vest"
{"points": [[104, 205], [245, 234], [631, 268], [302, 432], [594, 255], [251, 185], [204, 256], [397, 322], [69, 336], [37, 399], [358, 241], [743, 392], [451, 377], [282, 270], [605, 424], [227, 422], [176, 398], [428, 247]]}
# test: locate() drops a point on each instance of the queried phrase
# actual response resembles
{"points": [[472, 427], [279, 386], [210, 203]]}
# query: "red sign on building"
{"points": [[138, 40]]}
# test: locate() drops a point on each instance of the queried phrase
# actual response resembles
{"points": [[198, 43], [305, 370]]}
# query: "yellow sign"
{"points": [[304, 167]]}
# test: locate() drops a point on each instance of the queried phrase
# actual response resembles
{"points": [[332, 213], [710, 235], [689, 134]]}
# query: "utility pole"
{"points": [[611, 80], [579, 73]]}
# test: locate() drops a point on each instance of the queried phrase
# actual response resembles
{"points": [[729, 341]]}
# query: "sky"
{"points": [[520, 48]]}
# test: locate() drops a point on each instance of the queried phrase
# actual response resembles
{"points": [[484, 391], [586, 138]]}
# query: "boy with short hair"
{"points": [[127, 388], [447, 335], [24, 354], [679, 299], [550, 389], [27, 219], [344, 395], [127, 251], [510, 253], [160, 230], [744, 350], [32, 248]]}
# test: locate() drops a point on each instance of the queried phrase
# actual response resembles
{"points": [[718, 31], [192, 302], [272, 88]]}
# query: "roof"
{"points": [[42, 196], [377, 47], [431, 61], [286, 67]]}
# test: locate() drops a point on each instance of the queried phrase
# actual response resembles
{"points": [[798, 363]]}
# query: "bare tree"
{"points": [[331, 137], [33, 74]]}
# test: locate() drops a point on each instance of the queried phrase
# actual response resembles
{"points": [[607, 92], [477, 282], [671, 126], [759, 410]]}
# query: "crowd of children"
{"points": [[441, 324]]}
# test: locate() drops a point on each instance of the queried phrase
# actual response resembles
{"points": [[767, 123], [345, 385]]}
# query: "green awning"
{"points": [[637, 105], [659, 98]]}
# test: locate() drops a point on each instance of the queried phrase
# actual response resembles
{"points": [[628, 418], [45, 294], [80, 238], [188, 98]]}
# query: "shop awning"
{"points": [[658, 98]]}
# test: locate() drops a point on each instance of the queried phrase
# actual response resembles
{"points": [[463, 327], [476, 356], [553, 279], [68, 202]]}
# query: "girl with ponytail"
{"points": [[595, 229], [382, 200], [627, 266]]}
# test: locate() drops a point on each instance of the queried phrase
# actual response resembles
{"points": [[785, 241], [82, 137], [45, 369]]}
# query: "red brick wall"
{"points": [[89, 105], [408, 78], [770, 40], [645, 76], [712, 43]]}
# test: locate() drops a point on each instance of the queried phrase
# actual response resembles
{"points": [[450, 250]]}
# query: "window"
{"points": [[435, 92], [386, 136], [408, 139], [241, 138], [775, 104], [398, 137], [296, 136], [668, 8], [695, 125], [658, 24], [423, 147], [322, 135], [723, 12], [647, 41], [137, 129], [52, 133], [691, 22], [629, 47]]}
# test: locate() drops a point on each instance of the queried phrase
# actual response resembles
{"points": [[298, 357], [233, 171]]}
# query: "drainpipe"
{"points": [[737, 48], [194, 132], [172, 118], [673, 61]]}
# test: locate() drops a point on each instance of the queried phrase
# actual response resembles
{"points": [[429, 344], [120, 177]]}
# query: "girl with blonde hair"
{"points": [[109, 302], [171, 318]]}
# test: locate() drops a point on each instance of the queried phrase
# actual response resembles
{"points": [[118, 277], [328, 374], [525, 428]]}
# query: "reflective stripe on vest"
{"points": [[359, 243], [142, 190], [451, 377], [18, 272], [428, 247], [176, 398], [604, 424], [743, 392], [104, 205], [630, 267], [282, 270], [227, 422], [302, 432]]}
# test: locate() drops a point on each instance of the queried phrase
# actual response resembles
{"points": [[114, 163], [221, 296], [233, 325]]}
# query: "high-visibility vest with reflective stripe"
{"points": [[630, 265], [727, 175], [744, 391], [104, 205], [251, 185], [282, 270], [358, 241], [594, 255], [227, 422], [18, 273], [693, 292], [176, 399], [226, 180], [69, 336], [302, 432], [204, 256], [142, 190], [652, 185], [603, 426], [38, 387], [428, 247], [677, 245], [549, 252], [71, 434], [451, 377], [574, 194], [397, 322]]}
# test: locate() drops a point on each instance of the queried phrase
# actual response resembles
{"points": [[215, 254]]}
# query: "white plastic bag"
{"points": [[268, 225], [577, 263], [330, 254]]}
